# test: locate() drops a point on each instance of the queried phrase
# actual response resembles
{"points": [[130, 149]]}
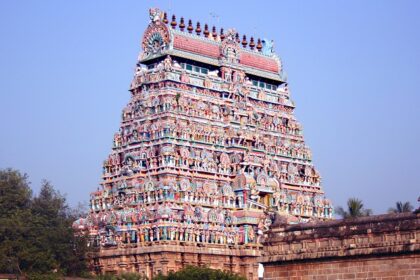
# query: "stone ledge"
{"points": [[171, 248], [372, 223]]}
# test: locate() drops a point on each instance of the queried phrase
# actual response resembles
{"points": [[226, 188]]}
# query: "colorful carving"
{"points": [[202, 158]]}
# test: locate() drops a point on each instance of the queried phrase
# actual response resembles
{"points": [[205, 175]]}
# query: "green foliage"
{"points": [[15, 202], [401, 207], [188, 273], [122, 276], [201, 273], [107, 277], [15, 193], [43, 276], [36, 237], [355, 208]]}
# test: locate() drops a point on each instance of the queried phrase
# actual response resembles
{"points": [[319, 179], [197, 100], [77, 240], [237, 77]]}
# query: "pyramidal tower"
{"points": [[208, 155]]}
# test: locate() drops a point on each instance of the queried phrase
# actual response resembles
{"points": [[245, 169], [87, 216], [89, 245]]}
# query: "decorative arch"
{"points": [[156, 39]]}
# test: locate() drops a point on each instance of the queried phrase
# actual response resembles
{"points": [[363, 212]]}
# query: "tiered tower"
{"points": [[207, 154]]}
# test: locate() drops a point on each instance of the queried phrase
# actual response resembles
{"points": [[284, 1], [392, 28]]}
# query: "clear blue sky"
{"points": [[353, 68]]}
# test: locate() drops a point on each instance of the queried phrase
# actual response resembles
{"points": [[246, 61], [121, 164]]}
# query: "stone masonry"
{"points": [[376, 247], [168, 256]]}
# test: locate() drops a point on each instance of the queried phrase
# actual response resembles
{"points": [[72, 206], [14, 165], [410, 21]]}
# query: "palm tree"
{"points": [[355, 208], [401, 207]]}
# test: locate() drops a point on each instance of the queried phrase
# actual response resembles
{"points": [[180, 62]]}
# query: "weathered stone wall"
{"points": [[376, 247], [163, 257], [399, 267]]}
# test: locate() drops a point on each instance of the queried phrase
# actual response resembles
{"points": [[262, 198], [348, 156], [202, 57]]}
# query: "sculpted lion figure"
{"points": [[155, 14]]}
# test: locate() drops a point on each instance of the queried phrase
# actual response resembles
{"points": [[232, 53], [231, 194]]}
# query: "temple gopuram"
{"points": [[208, 153]]}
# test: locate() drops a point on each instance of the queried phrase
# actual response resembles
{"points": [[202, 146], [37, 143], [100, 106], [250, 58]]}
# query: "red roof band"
{"points": [[196, 46], [208, 49]]}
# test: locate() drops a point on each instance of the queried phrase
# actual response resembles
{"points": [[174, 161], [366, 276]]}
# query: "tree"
{"points": [[15, 192], [401, 207], [59, 248], [15, 213], [355, 208], [36, 236], [202, 273]]}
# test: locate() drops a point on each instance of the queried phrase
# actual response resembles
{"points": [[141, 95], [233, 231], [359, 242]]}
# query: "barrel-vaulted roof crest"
{"points": [[204, 44]]}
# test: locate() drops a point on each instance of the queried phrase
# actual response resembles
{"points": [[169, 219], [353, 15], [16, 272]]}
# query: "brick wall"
{"points": [[377, 247], [397, 267]]}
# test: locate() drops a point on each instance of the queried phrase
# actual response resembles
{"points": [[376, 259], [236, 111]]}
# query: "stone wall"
{"points": [[163, 257], [376, 247]]}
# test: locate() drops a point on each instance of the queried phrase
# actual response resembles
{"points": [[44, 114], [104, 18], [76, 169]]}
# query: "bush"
{"points": [[122, 276], [44, 276], [201, 273], [188, 273]]}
